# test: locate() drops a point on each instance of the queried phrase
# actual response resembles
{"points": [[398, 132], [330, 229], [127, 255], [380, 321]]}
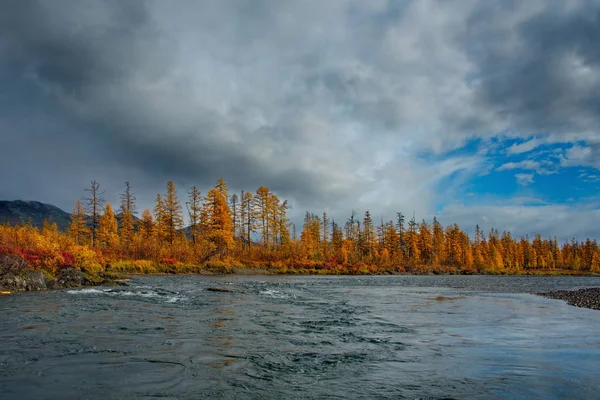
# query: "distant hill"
{"points": [[18, 211]]}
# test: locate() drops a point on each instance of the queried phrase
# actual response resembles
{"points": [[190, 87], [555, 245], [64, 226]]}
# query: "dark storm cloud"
{"points": [[75, 45], [547, 78], [70, 52]]}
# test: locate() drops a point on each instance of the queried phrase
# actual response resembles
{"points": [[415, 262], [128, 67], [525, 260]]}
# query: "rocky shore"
{"points": [[68, 278], [16, 275], [587, 298]]}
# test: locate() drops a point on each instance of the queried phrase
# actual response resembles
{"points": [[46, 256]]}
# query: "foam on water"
{"points": [[275, 293], [169, 297], [88, 291]]}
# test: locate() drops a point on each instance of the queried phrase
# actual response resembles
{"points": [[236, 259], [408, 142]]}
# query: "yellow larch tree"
{"points": [[78, 229], [172, 217], [262, 207], [216, 222], [368, 239], [438, 255], [127, 211], [108, 237], [425, 243]]}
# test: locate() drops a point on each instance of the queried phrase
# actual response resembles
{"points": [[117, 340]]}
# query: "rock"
{"points": [[69, 278], [35, 280], [24, 281], [222, 290]]}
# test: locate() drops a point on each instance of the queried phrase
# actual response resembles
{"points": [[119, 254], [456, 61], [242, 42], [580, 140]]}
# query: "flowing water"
{"points": [[413, 337]]}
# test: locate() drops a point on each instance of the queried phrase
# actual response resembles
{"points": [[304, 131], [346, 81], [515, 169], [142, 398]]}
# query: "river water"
{"points": [[413, 337]]}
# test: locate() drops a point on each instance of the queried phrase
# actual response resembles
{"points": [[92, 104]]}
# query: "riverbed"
{"points": [[413, 337]]}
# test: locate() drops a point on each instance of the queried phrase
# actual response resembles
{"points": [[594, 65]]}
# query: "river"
{"points": [[278, 337]]}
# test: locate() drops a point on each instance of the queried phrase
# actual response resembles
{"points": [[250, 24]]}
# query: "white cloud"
{"points": [[526, 164], [524, 179], [542, 168], [525, 147], [579, 155]]}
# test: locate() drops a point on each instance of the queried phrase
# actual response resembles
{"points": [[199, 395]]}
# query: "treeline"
{"points": [[251, 229]]}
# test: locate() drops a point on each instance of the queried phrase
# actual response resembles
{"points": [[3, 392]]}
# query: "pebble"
{"points": [[587, 298]]}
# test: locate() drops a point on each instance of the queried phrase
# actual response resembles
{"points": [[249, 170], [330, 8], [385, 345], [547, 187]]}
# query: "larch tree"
{"points": [[94, 205], [438, 242], [173, 220], [126, 216], [159, 218], [325, 231], [216, 219], [283, 224], [248, 218], [401, 234], [352, 231], [235, 213], [147, 225], [273, 218], [145, 243], [391, 240], [78, 229], [454, 246], [262, 201], [310, 236], [108, 237], [221, 186], [128, 200], [195, 211], [412, 242], [425, 243], [369, 242], [381, 238], [337, 241]]}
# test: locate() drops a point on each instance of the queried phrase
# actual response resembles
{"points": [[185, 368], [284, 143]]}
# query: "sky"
{"points": [[473, 111]]}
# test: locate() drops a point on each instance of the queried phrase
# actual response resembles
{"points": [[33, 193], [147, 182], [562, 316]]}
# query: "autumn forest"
{"points": [[251, 230]]}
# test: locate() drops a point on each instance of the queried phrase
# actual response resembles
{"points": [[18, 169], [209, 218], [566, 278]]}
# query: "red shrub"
{"points": [[168, 261], [69, 259]]}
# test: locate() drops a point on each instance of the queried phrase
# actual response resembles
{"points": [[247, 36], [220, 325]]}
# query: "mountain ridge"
{"points": [[16, 212]]}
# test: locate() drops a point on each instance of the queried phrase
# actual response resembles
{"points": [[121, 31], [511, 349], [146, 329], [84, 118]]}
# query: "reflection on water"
{"points": [[302, 337]]}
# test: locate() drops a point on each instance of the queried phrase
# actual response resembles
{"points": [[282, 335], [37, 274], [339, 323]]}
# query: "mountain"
{"points": [[18, 211]]}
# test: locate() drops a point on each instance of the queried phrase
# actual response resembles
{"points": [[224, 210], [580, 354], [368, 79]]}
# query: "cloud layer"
{"points": [[334, 105]]}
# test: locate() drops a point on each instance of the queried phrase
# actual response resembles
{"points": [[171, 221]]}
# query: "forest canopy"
{"points": [[252, 230]]}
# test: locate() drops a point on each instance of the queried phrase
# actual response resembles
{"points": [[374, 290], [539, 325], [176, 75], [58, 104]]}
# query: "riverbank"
{"points": [[31, 281], [216, 267], [586, 298]]}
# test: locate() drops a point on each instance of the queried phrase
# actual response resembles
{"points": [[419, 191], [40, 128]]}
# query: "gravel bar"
{"points": [[587, 298]]}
